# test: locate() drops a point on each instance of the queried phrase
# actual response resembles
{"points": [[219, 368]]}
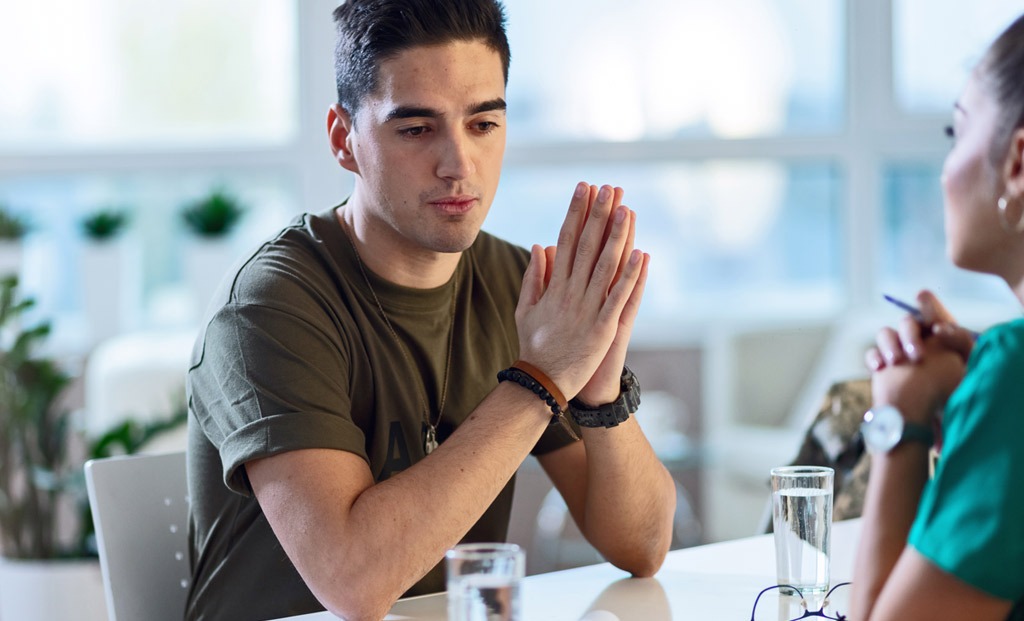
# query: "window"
{"points": [[782, 153], [603, 70], [130, 73], [144, 106], [935, 45]]}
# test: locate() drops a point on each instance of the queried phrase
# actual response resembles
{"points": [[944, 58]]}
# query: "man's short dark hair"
{"points": [[371, 31]]}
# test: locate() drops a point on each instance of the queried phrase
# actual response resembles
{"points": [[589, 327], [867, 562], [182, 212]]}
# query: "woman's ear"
{"points": [[1013, 169], [339, 132]]}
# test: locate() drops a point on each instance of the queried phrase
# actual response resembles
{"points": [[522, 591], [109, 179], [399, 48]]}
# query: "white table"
{"points": [[716, 581]]}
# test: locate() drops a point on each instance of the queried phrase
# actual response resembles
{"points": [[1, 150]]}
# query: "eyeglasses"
{"points": [[820, 612]]}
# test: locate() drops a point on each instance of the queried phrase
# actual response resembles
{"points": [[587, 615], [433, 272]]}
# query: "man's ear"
{"points": [[339, 131], [1013, 168]]}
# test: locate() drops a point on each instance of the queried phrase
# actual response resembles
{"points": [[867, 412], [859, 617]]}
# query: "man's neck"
{"points": [[416, 268]]}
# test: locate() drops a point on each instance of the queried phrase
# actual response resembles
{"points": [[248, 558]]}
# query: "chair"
{"points": [[139, 506]]}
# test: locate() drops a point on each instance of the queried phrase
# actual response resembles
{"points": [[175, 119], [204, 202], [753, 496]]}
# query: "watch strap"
{"points": [[609, 414], [915, 432]]}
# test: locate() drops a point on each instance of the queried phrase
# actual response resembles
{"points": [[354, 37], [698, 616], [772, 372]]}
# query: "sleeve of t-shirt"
{"points": [[271, 382], [970, 521]]}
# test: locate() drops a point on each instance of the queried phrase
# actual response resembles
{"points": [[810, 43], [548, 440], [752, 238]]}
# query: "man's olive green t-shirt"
{"points": [[295, 355]]}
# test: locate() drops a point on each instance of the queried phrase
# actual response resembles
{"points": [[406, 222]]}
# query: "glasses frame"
{"points": [[820, 612]]}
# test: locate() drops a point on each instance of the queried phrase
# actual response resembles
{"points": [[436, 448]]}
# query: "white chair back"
{"points": [[139, 506]]}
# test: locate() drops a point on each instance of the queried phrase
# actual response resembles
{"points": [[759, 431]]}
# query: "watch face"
{"points": [[882, 428]]}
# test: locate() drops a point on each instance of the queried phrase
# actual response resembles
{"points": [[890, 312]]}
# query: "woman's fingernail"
{"points": [[635, 256], [581, 189], [620, 215], [604, 194]]}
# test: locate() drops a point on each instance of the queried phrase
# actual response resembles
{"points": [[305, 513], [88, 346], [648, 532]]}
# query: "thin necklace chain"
{"points": [[430, 441]]}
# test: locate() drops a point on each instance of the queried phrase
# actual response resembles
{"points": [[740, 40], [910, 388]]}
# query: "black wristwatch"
{"points": [[609, 414]]}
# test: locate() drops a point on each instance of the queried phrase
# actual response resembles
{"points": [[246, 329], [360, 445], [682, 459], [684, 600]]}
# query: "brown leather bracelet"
{"points": [[544, 381]]}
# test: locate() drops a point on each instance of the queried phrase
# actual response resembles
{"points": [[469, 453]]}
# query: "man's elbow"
{"points": [[645, 565], [357, 608], [361, 599]]}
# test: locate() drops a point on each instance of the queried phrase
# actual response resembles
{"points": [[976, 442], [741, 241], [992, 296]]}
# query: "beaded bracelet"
{"points": [[529, 382], [541, 385]]}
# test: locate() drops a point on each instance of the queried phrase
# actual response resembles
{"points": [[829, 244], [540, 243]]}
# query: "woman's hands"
{"points": [[917, 365]]}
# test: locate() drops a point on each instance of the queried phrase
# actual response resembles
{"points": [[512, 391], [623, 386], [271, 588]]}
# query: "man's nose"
{"points": [[455, 160]]}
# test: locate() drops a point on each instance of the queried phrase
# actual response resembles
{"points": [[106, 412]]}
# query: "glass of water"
{"points": [[484, 581], [802, 521]]}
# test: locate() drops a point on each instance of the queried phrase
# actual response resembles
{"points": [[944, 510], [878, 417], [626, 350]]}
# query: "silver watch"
{"points": [[884, 428]]}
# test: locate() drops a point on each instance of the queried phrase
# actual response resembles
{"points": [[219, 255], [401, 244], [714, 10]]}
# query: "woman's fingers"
{"points": [[932, 310], [951, 336]]}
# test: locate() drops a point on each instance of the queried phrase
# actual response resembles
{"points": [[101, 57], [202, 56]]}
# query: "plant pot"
{"points": [[40, 590], [206, 263], [110, 286], [11, 257]]}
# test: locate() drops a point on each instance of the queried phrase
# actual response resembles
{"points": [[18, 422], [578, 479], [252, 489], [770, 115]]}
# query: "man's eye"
{"points": [[486, 126], [413, 131]]}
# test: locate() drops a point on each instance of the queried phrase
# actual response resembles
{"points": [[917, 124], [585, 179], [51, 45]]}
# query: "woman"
{"points": [[953, 547]]}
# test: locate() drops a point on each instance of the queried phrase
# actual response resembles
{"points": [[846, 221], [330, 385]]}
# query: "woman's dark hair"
{"points": [[1002, 70], [371, 31]]}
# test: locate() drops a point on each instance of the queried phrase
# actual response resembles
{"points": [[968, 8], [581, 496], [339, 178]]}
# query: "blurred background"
{"points": [[783, 157]]}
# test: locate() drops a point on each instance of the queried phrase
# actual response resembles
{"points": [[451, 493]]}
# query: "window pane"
{"points": [[936, 43], [146, 72], [913, 246], [727, 238], [156, 235], [655, 69]]}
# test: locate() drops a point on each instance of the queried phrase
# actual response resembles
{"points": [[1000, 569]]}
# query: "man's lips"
{"points": [[454, 204]]}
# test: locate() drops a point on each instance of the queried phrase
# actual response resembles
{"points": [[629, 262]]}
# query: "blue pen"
{"points": [[916, 312]]}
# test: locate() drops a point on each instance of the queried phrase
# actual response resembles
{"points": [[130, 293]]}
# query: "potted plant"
{"points": [[104, 224], [214, 215], [208, 256], [13, 228], [110, 276], [42, 574]]}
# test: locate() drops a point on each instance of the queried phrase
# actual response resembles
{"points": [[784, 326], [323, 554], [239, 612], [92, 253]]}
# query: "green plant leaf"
{"points": [[213, 216]]}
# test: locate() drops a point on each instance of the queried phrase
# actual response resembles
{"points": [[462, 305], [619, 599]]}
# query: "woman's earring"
{"points": [[1016, 227]]}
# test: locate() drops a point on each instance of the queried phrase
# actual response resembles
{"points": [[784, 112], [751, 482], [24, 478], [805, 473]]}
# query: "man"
{"points": [[346, 423]]}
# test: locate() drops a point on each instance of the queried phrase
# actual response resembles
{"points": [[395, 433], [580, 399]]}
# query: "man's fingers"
{"points": [[616, 304], [533, 279], [603, 273], [591, 241], [628, 248], [568, 235], [632, 306], [549, 254]]}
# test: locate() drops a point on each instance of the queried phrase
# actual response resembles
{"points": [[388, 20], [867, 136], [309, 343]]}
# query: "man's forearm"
{"points": [[358, 554], [630, 499]]}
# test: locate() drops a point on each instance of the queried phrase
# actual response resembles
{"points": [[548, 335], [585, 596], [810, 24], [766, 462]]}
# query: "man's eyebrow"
{"points": [[411, 112], [489, 106]]}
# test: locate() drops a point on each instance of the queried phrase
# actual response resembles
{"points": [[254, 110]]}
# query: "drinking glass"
{"points": [[484, 581], [802, 521]]}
